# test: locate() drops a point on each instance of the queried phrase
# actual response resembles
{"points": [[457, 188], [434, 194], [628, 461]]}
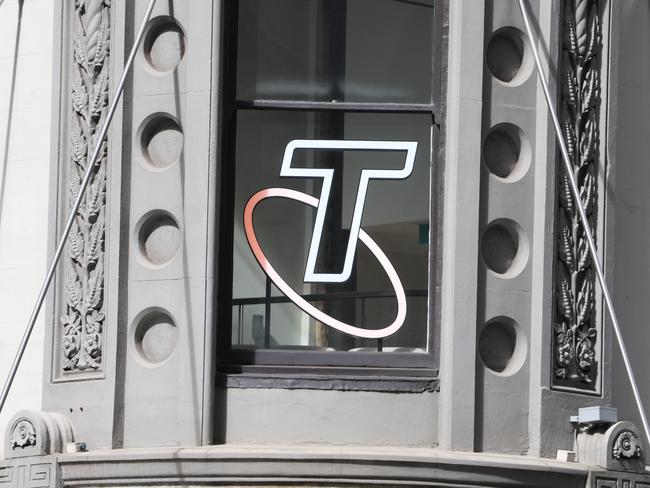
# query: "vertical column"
{"points": [[580, 345], [506, 232], [460, 224], [533, 279], [131, 313], [168, 276]]}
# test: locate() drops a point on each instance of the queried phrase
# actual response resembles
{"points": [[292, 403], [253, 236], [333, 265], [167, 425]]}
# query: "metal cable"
{"points": [[75, 208], [583, 219]]}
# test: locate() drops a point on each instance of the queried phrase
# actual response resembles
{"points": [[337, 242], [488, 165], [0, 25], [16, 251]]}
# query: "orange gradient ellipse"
{"points": [[285, 288]]}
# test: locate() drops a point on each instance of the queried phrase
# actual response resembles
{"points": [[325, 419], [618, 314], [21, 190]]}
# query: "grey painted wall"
{"points": [[632, 205], [261, 416]]}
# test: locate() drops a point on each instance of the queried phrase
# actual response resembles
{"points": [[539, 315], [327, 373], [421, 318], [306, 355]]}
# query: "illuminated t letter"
{"points": [[327, 174]]}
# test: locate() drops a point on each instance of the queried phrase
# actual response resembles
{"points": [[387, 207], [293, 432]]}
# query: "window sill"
{"points": [[402, 381]]}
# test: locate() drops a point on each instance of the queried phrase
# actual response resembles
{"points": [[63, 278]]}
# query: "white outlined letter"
{"points": [[327, 174]]}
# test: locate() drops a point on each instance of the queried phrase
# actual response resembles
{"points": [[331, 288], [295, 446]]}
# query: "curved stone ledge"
{"points": [[257, 465]]}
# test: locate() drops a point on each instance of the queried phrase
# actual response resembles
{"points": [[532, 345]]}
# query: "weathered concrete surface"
{"points": [[25, 94], [273, 465]]}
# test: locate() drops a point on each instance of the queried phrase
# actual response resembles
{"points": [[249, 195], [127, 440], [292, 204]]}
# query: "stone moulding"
{"points": [[37, 433], [273, 465], [82, 320], [575, 331], [616, 447]]}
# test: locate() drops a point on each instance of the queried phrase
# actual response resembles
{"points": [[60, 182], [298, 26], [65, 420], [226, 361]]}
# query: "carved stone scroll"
{"points": [[574, 325], [36, 433], [83, 317], [614, 447], [23, 435], [626, 445]]}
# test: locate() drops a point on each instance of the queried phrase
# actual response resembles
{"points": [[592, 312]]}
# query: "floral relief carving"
{"points": [[626, 446], [83, 319], [23, 435], [575, 332]]}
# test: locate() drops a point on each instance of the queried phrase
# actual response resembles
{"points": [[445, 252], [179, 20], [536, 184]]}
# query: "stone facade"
{"points": [[132, 353]]}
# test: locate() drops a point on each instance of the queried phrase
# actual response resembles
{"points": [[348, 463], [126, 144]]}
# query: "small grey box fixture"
{"points": [[596, 415]]}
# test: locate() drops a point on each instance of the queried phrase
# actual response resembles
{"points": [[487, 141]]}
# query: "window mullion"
{"points": [[334, 106]]}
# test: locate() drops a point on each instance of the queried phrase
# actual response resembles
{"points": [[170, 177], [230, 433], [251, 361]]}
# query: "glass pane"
{"points": [[394, 214], [343, 50]]}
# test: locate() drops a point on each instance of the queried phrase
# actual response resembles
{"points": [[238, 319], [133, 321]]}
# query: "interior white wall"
{"points": [[632, 205], [25, 95]]}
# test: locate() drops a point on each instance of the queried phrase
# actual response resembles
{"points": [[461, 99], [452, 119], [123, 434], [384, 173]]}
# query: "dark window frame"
{"points": [[260, 363]]}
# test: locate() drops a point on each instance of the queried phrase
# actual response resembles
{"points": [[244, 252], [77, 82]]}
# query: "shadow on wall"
{"points": [[197, 384]]}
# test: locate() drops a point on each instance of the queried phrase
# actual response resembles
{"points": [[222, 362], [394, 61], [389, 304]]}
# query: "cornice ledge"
{"points": [[311, 464]]}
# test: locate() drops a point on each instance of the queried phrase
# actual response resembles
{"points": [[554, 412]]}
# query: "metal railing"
{"points": [[267, 300], [75, 208]]}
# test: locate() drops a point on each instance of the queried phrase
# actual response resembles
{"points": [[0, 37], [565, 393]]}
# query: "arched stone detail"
{"points": [[615, 447], [35, 433]]}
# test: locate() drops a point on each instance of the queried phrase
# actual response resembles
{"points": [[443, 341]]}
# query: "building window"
{"points": [[326, 178]]}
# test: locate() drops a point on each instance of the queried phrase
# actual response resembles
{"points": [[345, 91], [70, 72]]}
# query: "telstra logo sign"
{"points": [[356, 232]]}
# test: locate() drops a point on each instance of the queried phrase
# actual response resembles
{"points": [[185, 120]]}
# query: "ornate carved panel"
{"points": [[575, 332], [83, 317]]}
